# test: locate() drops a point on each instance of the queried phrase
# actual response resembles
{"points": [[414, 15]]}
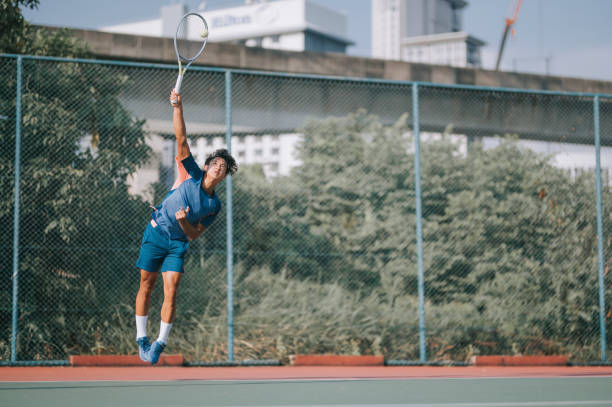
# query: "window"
{"points": [[259, 152], [209, 141], [241, 154], [275, 151]]}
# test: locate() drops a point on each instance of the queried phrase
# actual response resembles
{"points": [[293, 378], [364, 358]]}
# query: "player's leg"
{"points": [[172, 271], [143, 302], [143, 298], [152, 253], [171, 284]]}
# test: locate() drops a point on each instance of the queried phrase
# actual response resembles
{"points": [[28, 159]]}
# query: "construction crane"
{"points": [[509, 23]]}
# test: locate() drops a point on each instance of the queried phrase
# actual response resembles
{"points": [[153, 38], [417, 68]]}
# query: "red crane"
{"points": [[509, 23]]}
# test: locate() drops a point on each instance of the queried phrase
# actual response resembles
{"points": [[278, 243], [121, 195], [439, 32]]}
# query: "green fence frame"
{"points": [[14, 360]]}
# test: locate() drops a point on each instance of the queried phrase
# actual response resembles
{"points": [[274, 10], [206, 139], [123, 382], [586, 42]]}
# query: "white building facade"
{"points": [[386, 33], [455, 49], [276, 153], [291, 25], [423, 31]]}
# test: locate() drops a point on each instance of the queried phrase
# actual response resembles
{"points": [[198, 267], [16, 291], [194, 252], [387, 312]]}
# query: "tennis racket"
{"points": [[191, 24]]}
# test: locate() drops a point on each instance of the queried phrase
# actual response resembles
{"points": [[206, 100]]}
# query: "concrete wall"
{"points": [[140, 48]]}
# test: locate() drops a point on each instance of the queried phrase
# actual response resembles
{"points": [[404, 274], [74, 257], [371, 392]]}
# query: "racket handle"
{"points": [[177, 87]]}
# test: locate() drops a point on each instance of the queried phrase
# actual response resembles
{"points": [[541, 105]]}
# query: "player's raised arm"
{"points": [[182, 150]]}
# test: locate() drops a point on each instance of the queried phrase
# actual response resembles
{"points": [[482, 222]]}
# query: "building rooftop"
{"points": [[443, 37]]}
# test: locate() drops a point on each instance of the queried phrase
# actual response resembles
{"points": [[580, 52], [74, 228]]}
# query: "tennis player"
{"points": [[188, 209]]}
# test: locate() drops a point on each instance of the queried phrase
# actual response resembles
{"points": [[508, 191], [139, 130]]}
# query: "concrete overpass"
{"points": [[556, 118], [154, 49]]}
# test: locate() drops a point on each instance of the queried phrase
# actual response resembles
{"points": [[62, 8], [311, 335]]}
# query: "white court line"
{"points": [[576, 403], [311, 379]]}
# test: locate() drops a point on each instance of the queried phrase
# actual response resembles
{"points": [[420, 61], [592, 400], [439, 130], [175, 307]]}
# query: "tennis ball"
{"points": [[204, 33]]}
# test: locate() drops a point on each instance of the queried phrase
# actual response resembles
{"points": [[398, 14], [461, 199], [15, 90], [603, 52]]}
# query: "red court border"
{"points": [[165, 373]]}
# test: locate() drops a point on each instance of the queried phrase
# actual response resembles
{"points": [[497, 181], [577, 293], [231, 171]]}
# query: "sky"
{"points": [[560, 37]]}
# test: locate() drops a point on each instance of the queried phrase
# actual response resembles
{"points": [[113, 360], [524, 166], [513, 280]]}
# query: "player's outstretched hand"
{"points": [[181, 214], [175, 99]]}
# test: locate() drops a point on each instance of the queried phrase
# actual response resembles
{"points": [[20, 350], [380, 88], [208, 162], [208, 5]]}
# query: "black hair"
{"points": [[232, 167]]}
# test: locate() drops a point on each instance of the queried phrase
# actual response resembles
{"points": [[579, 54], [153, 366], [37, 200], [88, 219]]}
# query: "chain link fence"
{"points": [[8, 69], [510, 245], [326, 255], [605, 129], [316, 253]]}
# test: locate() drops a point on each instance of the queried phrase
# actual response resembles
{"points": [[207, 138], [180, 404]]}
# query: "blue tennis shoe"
{"points": [[144, 348], [156, 349]]}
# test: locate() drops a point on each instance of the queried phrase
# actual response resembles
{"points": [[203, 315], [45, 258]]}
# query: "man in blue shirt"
{"points": [[189, 208]]}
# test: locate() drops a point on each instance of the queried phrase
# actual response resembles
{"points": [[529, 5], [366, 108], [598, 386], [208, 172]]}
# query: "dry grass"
{"points": [[276, 317]]}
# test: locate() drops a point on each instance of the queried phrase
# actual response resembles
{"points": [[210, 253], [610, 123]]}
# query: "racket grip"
{"points": [[177, 86]]}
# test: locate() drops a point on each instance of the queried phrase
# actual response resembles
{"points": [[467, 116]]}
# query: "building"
{"points": [[453, 48], [291, 25], [423, 31], [274, 152]]}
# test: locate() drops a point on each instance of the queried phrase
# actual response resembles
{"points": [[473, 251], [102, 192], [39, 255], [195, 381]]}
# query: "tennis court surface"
{"points": [[306, 386]]}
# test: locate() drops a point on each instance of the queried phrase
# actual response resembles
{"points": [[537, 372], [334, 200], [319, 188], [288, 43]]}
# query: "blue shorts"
{"points": [[157, 249]]}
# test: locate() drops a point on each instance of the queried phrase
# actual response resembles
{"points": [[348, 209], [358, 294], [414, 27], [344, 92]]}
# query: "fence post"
{"points": [[600, 237], [419, 227], [16, 213], [230, 248]]}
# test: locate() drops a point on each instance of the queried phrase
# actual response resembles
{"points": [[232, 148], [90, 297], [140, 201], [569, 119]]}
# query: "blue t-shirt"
{"points": [[203, 208]]}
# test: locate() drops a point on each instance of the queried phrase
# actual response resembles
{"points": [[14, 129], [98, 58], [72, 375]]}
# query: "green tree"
{"points": [[358, 180], [510, 239], [19, 37], [517, 240], [79, 224], [14, 27]]}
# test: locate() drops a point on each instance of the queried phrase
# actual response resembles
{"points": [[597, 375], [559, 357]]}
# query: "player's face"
{"points": [[217, 168]]}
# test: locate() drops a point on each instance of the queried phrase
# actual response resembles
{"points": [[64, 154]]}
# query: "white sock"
{"points": [[164, 330], [141, 326]]}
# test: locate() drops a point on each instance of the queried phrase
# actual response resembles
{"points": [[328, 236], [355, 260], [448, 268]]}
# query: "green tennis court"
{"points": [[481, 392]]}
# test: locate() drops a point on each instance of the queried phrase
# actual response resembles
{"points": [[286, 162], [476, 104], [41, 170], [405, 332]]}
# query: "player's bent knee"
{"points": [[170, 292]]}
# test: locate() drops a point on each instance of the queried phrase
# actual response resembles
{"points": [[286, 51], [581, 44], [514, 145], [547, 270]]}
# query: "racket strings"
{"points": [[193, 28]]}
